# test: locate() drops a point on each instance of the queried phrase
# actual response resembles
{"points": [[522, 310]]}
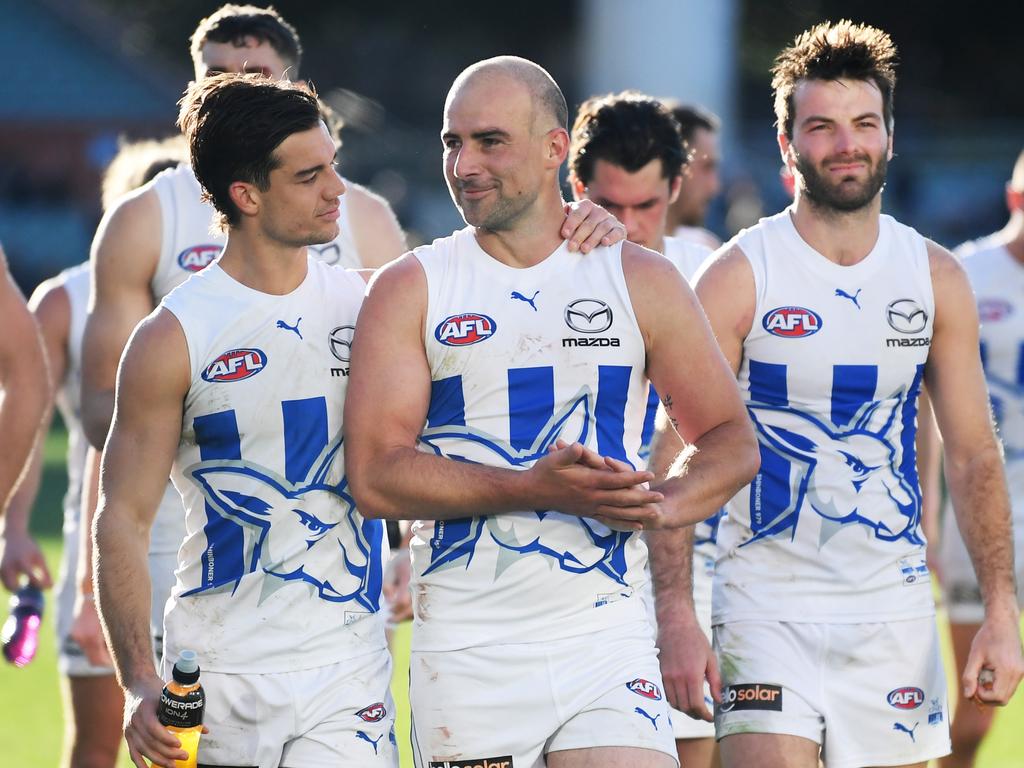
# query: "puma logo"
{"points": [[519, 297]]}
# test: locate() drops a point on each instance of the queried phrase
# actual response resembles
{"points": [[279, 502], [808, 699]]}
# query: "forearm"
{"points": [[21, 416], [405, 483], [122, 586], [671, 561], [90, 496], [978, 488], [19, 511], [704, 476]]}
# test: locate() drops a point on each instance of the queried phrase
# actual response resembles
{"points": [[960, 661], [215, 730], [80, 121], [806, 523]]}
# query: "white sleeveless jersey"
{"points": [[998, 282], [829, 530], [278, 570], [191, 241], [519, 358], [688, 257], [75, 282]]}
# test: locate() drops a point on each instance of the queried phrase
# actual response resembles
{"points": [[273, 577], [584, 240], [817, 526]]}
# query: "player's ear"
{"points": [[557, 147], [245, 196], [1014, 198], [673, 188]]}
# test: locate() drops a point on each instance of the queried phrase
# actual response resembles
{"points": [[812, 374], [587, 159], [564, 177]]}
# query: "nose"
{"points": [[464, 163], [844, 140], [338, 188], [629, 220]]}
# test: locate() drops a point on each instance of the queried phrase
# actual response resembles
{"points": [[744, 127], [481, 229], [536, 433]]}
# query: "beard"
{"points": [[844, 196], [497, 215]]}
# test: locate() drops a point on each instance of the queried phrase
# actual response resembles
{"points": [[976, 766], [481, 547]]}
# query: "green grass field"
{"points": [[31, 725]]}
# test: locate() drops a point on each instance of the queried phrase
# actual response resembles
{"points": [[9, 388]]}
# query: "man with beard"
{"points": [[833, 316]]}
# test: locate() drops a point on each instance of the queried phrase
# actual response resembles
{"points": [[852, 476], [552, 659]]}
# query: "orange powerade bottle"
{"points": [[181, 706]]}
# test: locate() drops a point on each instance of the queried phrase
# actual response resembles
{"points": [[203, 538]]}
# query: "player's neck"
{"points": [[264, 266], [1012, 235], [532, 238], [842, 237]]}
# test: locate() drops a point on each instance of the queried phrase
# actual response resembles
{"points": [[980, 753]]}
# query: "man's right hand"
{"points": [[146, 737], [568, 480], [87, 632]]}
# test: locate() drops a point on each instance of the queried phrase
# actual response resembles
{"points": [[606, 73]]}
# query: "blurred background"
{"points": [[77, 74]]}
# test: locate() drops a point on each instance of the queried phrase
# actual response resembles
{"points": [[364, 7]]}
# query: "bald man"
{"points": [[516, 375]]}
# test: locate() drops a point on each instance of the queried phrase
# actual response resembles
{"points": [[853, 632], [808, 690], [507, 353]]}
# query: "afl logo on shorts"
{"points": [[792, 322], [235, 365], [465, 329], [644, 688], [994, 310], [373, 713], [906, 698], [198, 257]]}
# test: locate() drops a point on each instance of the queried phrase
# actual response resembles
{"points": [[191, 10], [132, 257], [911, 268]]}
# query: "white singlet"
{"points": [[278, 571], [519, 358], [829, 530]]}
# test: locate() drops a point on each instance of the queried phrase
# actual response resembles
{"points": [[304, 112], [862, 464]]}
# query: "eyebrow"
{"points": [[823, 119], [314, 169], [486, 133]]}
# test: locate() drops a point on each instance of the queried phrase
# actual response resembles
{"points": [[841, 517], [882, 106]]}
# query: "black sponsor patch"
{"points": [[751, 696], [474, 762]]}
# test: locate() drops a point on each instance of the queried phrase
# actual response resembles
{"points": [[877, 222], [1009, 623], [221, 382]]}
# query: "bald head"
{"points": [[549, 109]]}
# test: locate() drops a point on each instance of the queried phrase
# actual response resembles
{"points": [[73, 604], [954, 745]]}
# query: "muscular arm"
{"points": [[20, 554], [125, 252], [391, 479], [24, 380], [974, 474], [375, 229]]}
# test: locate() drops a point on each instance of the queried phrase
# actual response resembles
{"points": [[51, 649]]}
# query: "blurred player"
{"points": [[498, 347], [23, 390], [995, 267], [701, 179], [833, 316], [279, 577], [91, 698], [626, 154]]}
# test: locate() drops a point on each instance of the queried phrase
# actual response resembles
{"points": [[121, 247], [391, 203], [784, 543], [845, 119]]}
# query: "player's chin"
{"points": [[324, 233]]}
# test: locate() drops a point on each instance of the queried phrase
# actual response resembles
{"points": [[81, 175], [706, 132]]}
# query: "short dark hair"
{"points": [[626, 129], [691, 117], [233, 124], [234, 23], [830, 51]]}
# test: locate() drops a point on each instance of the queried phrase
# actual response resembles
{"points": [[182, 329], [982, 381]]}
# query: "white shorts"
{"points": [[684, 726], [515, 703], [870, 694], [336, 716], [959, 584]]}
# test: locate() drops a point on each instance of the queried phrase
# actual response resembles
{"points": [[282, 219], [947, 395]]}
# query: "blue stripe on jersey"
{"points": [[983, 349], [770, 492], [768, 383], [305, 435], [223, 561], [610, 409], [531, 403], [647, 433], [1020, 364], [908, 436], [853, 386], [452, 539], [447, 404]]}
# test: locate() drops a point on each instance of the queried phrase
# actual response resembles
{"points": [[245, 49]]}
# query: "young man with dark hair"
{"points": [[516, 375], [627, 155], [995, 267], [237, 38], [833, 316], [279, 576], [701, 179]]}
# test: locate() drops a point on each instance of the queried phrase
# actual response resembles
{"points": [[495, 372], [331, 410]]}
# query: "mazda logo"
{"points": [[588, 316], [341, 342], [906, 316]]}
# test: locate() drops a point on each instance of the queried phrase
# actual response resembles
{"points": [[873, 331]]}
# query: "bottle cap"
{"points": [[186, 668]]}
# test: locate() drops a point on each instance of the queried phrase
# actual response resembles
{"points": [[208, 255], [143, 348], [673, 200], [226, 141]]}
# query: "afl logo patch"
{"points": [[235, 365], [906, 316], [645, 688], [373, 713], [465, 329], [792, 322], [905, 698], [994, 310], [198, 257]]}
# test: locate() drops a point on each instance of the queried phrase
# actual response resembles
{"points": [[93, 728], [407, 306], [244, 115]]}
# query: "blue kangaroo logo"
{"points": [[308, 533], [598, 548], [1007, 401], [654, 720], [847, 481], [843, 294], [365, 737], [295, 328], [519, 297], [904, 729]]}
